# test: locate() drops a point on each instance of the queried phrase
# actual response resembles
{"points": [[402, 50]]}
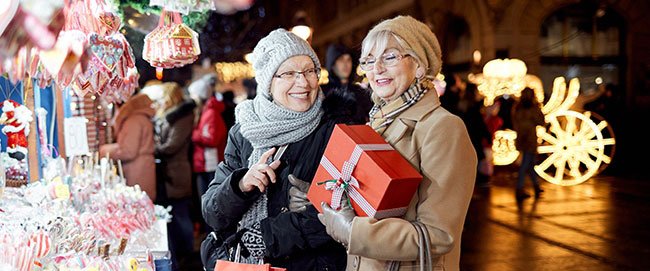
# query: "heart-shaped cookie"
{"points": [[107, 49], [109, 23]]}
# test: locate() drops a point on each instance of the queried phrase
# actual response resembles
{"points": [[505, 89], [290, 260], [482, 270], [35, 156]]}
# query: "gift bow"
{"points": [[344, 182]]}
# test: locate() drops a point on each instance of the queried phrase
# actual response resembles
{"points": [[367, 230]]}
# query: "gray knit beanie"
{"points": [[271, 51], [418, 36]]}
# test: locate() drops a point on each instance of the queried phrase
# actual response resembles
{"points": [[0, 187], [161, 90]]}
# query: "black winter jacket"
{"points": [[173, 133], [294, 240]]}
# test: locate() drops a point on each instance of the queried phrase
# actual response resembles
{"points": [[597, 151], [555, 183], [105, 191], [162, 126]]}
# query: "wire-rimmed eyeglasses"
{"points": [[309, 74], [387, 59]]}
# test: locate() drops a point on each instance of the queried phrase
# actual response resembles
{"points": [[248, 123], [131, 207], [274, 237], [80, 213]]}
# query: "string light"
{"points": [[598, 80], [232, 71], [302, 31], [476, 56], [249, 58], [324, 78], [159, 73]]}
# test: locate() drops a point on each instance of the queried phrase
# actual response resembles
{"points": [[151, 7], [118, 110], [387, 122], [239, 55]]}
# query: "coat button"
{"points": [[284, 210]]}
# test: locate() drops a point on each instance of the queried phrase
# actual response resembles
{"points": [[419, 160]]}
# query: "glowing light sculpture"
{"points": [[504, 151], [505, 77], [574, 147]]}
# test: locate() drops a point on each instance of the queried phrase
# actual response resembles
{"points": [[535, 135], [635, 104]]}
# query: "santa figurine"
{"points": [[16, 118]]}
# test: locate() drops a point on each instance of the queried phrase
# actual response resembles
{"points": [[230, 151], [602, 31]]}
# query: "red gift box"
{"points": [[358, 162], [228, 266]]}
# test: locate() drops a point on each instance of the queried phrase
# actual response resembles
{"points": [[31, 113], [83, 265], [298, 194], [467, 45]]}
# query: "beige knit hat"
{"points": [[272, 50], [418, 36]]}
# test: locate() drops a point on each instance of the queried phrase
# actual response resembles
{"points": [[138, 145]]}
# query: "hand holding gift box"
{"points": [[358, 162]]}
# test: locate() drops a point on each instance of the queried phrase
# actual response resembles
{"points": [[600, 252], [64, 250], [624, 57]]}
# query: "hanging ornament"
{"points": [[171, 44], [31, 24], [107, 66]]}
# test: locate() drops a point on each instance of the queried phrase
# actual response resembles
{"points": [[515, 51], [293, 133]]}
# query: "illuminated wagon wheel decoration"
{"points": [[608, 135], [573, 148]]}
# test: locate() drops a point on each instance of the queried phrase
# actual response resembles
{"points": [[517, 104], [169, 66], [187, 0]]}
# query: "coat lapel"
{"points": [[405, 122]]}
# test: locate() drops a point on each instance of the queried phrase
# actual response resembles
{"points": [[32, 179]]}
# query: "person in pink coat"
{"points": [[135, 146]]}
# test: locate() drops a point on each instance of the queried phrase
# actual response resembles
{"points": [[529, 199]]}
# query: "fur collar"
{"points": [[180, 111]]}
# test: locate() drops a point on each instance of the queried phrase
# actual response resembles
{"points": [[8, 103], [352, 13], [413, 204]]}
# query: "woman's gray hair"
{"points": [[413, 33], [379, 40]]}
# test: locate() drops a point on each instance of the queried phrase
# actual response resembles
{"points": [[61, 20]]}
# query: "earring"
{"points": [[419, 74]]}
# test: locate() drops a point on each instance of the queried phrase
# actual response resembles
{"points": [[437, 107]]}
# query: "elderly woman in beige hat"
{"points": [[401, 56]]}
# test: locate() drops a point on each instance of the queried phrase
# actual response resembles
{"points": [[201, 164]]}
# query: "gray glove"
{"points": [[337, 223], [298, 201]]}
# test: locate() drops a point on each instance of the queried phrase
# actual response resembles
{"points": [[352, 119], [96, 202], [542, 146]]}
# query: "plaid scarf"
{"points": [[383, 114]]}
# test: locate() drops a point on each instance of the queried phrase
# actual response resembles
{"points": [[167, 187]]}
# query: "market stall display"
{"points": [[89, 219]]}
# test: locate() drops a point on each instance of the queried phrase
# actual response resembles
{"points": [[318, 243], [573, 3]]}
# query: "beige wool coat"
{"points": [[436, 143]]}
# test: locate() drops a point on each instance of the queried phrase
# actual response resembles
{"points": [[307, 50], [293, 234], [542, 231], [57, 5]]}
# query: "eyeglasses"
{"points": [[387, 59], [309, 74]]}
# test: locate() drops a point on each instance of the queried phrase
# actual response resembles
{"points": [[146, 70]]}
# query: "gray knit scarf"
{"points": [[266, 124]]}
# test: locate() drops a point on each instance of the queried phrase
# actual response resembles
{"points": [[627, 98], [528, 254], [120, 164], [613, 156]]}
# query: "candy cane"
{"points": [[40, 242], [25, 259]]}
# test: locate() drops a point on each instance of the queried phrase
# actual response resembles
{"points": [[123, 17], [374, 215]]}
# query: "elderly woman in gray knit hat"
{"points": [[401, 56], [256, 203]]}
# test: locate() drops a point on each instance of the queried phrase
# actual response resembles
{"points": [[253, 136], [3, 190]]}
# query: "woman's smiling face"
{"points": [[389, 81], [298, 92]]}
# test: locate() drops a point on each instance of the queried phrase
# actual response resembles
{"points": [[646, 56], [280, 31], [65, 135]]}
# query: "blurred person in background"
{"points": [[228, 114], [526, 116], [251, 88], [209, 135], [134, 144], [341, 68], [470, 109], [451, 97], [173, 126]]}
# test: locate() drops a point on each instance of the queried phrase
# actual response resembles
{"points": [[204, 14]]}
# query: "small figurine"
{"points": [[16, 118]]}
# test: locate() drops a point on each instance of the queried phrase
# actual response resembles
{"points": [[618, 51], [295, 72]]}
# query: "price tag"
{"points": [[76, 139]]}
